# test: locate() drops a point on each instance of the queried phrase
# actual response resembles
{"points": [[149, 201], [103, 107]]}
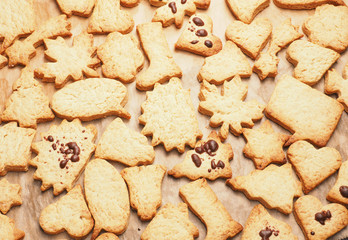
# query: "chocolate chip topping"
{"points": [[183, 1], [312, 233], [194, 41], [50, 138], [201, 33], [54, 146], [213, 164], [344, 191], [322, 216], [63, 163], [209, 147], [196, 160], [172, 6], [208, 43], [220, 164], [212, 145], [265, 234], [75, 158], [72, 148], [198, 21]]}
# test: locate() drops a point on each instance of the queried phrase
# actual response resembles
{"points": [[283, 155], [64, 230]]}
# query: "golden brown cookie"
{"points": [[339, 192], [8, 230], [305, 4], [246, 11], [81, 8], [107, 236], [10, 195]]}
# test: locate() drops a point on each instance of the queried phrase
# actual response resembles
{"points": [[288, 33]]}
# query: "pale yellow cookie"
{"points": [[81, 8], [246, 11], [305, 4], [107, 236], [8, 230], [10, 195], [339, 192], [334, 83]]}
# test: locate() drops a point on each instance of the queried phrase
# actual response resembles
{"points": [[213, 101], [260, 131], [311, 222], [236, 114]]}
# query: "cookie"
{"points": [[70, 213], [318, 221], [15, 147], [204, 204], [225, 65], [311, 61], [107, 236], [168, 115], [108, 17], [91, 99], [28, 104], [158, 3], [129, 147], [162, 65], [81, 8], [198, 37], [175, 10], [68, 62], [264, 145], [210, 159], [305, 4], [261, 224], [312, 165], [3, 61], [171, 222], [107, 197], [62, 154], [275, 187], [145, 189], [334, 83], [8, 229], [251, 38], [121, 57], [307, 113], [339, 192], [10, 195], [22, 51], [228, 109], [246, 11]]}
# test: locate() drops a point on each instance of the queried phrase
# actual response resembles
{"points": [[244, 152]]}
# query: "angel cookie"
{"points": [[339, 192], [305, 4], [10, 195], [8, 229], [246, 11], [81, 8]]}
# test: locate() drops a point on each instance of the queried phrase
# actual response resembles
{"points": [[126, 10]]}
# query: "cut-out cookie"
{"points": [[198, 37], [8, 229], [70, 213], [311, 61], [304, 111], [225, 65], [3, 61], [63, 154], [10, 195], [171, 222], [250, 38], [334, 83], [339, 192], [261, 225], [175, 10], [22, 51], [68, 62], [15, 147], [129, 147], [158, 3], [121, 57], [228, 109], [275, 187], [204, 203], [81, 8], [108, 17], [107, 236], [305, 4], [162, 65], [169, 116], [91, 99], [246, 11], [210, 159], [145, 189], [319, 221], [107, 197], [28, 104], [264, 145]]}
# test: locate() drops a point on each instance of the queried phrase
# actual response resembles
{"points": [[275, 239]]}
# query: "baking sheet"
{"points": [[27, 215]]}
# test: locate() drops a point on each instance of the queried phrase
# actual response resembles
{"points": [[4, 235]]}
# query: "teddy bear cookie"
{"points": [[305, 4], [8, 229], [339, 192], [81, 8], [107, 236], [246, 11], [10, 195]]}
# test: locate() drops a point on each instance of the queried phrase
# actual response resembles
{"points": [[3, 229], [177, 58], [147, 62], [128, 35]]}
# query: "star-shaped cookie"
{"points": [[10, 195]]}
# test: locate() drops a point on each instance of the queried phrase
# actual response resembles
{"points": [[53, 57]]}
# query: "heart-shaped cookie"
{"points": [[246, 11]]}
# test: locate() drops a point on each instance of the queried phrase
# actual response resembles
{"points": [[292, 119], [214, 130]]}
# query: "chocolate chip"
{"points": [[265, 234], [63, 163], [312, 233], [213, 146], [199, 150], [220, 164], [209, 170], [61, 150], [172, 6], [322, 216], [83, 131], [183, 1], [208, 43], [138, 229], [194, 41], [50, 138], [68, 151], [196, 160], [198, 21], [201, 33], [75, 158], [54, 146], [344, 191], [213, 164]]}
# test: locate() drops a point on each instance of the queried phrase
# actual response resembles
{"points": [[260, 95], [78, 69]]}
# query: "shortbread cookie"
{"points": [[8, 229], [145, 189], [10, 195], [311, 61], [275, 187], [175, 10], [304, 111], [210, 159], [318, 221], [22, 51], [108, 17], [81, 8], [3, 61], [28, 104], [204, 203], [225, 65], [264, 145], [129, 147], [68, 62], [334, 83], [70, 213], [15, 147], [171, 222], [91, 99], [339, 192], [261, 224], [107, 236], [121, 57], [198, 37], [305, 4], [63, 154], [228, 109], [246, 11], [158, 3], [107, 197], [162, 65], [169, 116], [250, 38]]}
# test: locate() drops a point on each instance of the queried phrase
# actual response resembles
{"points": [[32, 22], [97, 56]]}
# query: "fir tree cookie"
{"points": [[10, 195], [81, 8], [228, 109], [145, 189], [107, 236], [210, 159], [63, 154], [28, 104], [246, 11], [339, 192], [305, 4], [169, 116], [8, 229]]}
